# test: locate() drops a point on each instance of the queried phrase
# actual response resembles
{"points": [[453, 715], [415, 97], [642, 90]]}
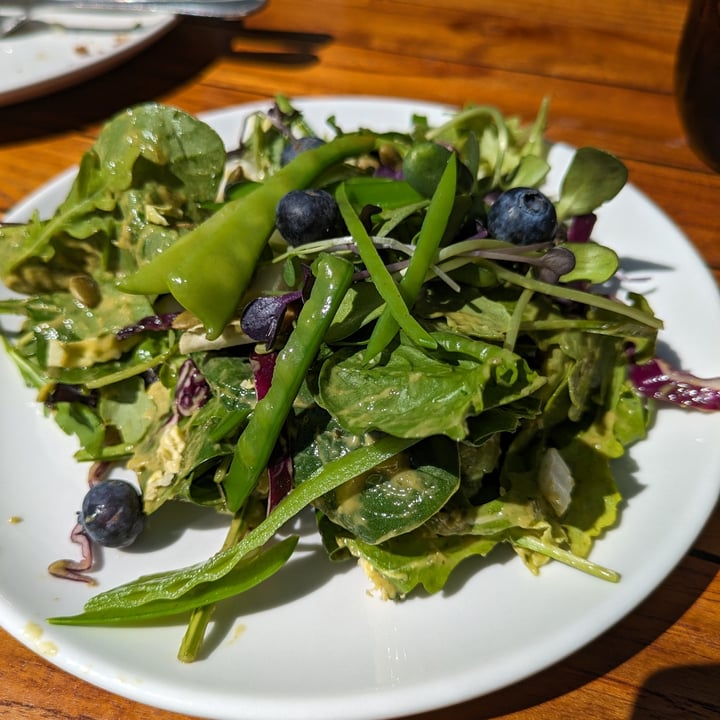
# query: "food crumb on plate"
{"points": [[33, 632]]}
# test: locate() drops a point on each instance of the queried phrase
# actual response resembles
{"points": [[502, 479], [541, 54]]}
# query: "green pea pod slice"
{"points": [[252, 452]]}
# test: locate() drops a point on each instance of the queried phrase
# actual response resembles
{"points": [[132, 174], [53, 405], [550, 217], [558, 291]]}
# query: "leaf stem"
{"points": [[580, 296], [200, 617], [516, 319], [534, 544]]}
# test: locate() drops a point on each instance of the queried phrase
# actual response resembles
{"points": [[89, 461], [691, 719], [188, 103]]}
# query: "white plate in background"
{"points": [[42, 61]]}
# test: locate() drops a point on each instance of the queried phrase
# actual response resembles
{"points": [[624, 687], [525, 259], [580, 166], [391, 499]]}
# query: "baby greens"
{"points": [[430, 392]]}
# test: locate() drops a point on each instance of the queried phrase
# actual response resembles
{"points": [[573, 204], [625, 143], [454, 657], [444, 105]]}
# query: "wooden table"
{"points": [[608, 66]]}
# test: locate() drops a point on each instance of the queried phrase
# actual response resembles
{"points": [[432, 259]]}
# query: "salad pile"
{"points": [[397, 332]]}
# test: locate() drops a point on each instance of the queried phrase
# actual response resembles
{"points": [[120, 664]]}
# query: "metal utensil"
{"points": [[226, 9], [12, 25]]}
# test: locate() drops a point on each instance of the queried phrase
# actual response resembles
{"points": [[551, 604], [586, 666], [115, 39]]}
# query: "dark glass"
{"points": [[697, 80]]}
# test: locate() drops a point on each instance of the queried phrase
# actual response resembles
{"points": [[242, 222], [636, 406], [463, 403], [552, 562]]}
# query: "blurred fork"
{"points": [[28, 15], [11, 25], [226, 9]]}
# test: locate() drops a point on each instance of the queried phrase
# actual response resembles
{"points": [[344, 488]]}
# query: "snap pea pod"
{"points": [[208, 269], [431, 233], [333, 276]]}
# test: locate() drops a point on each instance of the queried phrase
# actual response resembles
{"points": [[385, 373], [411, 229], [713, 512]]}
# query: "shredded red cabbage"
{"points": [[658, 380], [151, 322], [280, 473], [280, 466], [263, 365], [191, 390]]}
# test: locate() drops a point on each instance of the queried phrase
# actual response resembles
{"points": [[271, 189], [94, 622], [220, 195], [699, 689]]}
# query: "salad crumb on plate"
{"points": [[403, 333]]}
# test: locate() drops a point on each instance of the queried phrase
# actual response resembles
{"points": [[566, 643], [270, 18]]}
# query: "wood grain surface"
{"points": [[607, 66]]}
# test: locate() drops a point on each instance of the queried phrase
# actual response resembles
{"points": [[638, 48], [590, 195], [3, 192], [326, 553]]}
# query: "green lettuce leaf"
{"points": [[418, 393], [417, 559]]}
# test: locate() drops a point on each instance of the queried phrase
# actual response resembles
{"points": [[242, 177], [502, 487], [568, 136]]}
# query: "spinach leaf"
{"points": [[396, 496], [253, 569], [172, 159], [398, 396]]}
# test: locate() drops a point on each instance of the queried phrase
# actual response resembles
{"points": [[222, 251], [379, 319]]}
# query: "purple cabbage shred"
{"points": [[658, 380], [280, 466], [191, 391], [263, 365], [154, 323], [280, 474]]}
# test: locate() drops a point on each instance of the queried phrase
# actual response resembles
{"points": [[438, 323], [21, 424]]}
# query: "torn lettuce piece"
{"points": [[404, 563], [419, 393]]}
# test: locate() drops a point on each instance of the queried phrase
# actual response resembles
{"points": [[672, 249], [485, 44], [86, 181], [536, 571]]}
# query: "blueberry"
{"points": [[303, 216], [523, 216], [112, 513], [295, 147]]}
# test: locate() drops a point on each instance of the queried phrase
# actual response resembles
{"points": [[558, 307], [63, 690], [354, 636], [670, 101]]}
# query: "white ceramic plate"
{"points": [[42, 61], [311, 643]]}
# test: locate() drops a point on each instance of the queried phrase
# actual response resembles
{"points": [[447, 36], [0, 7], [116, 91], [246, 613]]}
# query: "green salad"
{"points": [[396, 332]]}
